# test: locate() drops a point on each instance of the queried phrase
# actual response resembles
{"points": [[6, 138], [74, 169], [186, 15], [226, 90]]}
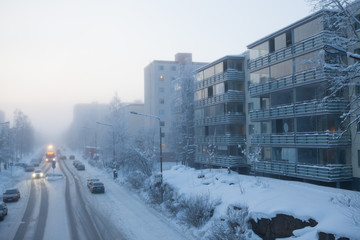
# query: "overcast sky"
{"points": [[56, 53]]}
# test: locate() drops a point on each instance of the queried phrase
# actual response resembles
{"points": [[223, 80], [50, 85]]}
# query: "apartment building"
{"points": [[301, 134], [219, 113], [159, 93]]}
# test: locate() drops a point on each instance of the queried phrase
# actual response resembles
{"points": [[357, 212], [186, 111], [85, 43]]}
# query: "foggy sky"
{"points": [[54, 54]]}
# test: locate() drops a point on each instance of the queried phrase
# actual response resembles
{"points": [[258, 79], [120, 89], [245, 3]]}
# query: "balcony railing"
{"points": [[326, 173], [227, 140], [230, 96], [316, 41], [221, 161], [300, 109], [320, 139], [230, 118], [301, 78], [230, 74]]}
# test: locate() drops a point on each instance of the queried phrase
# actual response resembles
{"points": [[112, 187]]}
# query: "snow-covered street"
{"points": [[64, 208]]}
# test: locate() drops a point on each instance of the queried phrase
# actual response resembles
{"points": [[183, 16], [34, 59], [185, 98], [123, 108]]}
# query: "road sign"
{"points": [[53, 164]]}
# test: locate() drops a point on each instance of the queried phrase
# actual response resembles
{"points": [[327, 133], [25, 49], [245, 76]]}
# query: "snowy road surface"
{"points": [[65, 209]]}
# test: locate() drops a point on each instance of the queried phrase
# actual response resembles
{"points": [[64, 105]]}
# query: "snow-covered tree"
{"points": [[24, 137], [342, 21], [183, 114]]}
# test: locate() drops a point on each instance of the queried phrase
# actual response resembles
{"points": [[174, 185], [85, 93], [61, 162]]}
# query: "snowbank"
{"points": [[337, 211]]}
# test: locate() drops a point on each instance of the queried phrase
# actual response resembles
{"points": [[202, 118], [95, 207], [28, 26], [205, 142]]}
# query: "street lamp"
{"points": [[113, 133], [334, 49], [158, 118]]}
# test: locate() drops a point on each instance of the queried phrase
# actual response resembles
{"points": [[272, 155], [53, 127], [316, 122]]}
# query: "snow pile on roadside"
{"points": [[337, 211]]}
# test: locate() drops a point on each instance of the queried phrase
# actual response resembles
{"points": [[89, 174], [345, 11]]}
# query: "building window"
{"points": [[288, 38], [358, 127], [250, 106], [173, 68], [358, 158], [161, 67], [161, 89], [210, 92], [357, 25], [162, 101], [161, 77], [161, 112], [263, 128], [162, 123], [271, 45], [357, 90], [173, 78]]}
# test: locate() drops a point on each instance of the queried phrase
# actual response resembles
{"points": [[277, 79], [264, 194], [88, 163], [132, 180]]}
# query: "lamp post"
{"points": [[334, 49], [158, 118], [113, 133]]}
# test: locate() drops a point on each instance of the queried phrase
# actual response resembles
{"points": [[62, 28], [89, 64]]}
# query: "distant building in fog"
{"points": [[158, 77]]}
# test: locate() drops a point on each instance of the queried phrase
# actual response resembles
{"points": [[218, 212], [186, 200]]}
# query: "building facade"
{"points": [[219, 113], [301, 133]]}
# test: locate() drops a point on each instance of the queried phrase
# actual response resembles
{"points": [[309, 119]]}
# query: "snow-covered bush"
{"points": [[136, 179], [197, 210], [154, 190], [233, 226]]}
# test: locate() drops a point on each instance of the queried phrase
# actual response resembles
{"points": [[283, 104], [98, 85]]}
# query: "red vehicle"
{"points": [[11, 195]]}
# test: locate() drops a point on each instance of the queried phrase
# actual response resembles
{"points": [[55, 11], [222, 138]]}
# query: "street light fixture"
{"points": [[334, 49], [113, 133], [158, 118]]}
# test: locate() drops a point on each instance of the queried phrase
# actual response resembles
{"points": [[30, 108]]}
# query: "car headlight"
{"points": [[34, 175], [41, 174]]}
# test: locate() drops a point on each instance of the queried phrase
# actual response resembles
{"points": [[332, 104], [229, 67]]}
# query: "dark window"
{"points": [[357, 90], [357, 25], [358, 127], [162, 123], [288, 39], [206, 130], [210, 92], [162, 101], [161, 67], [358, 158], [271, 45]]}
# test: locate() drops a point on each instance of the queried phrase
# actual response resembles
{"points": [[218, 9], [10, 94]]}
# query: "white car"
{"points": [[38, 174]]}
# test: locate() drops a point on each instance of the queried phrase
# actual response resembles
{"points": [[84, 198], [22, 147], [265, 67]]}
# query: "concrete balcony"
{"points": [[299, 79], [230, 96], [224, 140], [301, 139], [309, 108], [326, 173], [315, 42], [230, 74], [221, 161], [230, 118]]}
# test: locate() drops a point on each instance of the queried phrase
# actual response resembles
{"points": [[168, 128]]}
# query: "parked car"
{"points": [[35, 162], [3, 211], [12, 194], [90, 181], [29, 168], [72, 157], [63, 157], [80, 166], [37, 173], [97, 187], [76, 162]]}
